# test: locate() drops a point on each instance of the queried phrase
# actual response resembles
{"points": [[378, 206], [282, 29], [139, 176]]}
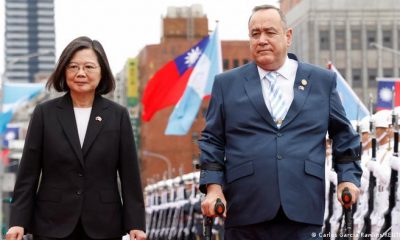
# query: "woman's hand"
{"points": [[136, 235], [15, 233]]}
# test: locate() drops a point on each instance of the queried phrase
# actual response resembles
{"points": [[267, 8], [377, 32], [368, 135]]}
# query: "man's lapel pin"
{"points": [[303, 83], [98, 118]]}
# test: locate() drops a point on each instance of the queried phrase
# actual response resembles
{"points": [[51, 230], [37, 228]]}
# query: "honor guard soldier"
{"points": [[337, 207], [381, 170], [390, 216], [395, 165], [329, 197], [365, 136], [362, 203]]}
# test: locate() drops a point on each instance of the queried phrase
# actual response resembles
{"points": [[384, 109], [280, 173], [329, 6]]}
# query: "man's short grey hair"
{"points": [[266, 7]]}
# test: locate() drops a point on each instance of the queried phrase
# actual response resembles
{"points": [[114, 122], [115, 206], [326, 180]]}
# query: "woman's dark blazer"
{"points": [[59, 182]]}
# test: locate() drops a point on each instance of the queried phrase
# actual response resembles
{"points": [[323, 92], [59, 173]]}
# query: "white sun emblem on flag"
{"points": [[385, 94], [192, 56]]}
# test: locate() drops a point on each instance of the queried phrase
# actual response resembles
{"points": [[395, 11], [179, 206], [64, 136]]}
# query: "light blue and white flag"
{"points": [[199, 86], [14, 95], [354, 108]]}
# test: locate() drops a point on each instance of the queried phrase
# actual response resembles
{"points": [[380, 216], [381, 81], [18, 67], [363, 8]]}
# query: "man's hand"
{"points": [[214, 191], [15, 233], [354, 191], [137, 235]]}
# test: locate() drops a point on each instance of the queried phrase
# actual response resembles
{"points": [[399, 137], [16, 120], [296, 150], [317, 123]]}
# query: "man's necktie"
{"points": [[278, 108]]}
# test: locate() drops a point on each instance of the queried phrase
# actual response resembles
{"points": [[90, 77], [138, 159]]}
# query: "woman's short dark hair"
{"points": [[57, 78]]}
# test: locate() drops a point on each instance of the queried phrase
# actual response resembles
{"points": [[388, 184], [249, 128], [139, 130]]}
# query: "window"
{"points": [[226, 64], [356, 39], [387, 39], [356, 72], [371, 38], [172, 51], [387, 72], [324, 40], [372, 72], [342, 72], [235, 63], [340, 41]]}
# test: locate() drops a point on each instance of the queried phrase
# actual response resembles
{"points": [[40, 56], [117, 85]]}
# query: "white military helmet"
{"points": [[364, 127], [383, 118], [397, 110]]}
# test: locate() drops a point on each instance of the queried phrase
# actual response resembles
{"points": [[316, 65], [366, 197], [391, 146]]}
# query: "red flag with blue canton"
{"points": [[167, 85], [199, 87], [386, 86]]}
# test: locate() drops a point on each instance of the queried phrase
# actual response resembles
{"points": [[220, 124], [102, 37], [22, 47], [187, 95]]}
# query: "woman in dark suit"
{"points": [[76, 148]]}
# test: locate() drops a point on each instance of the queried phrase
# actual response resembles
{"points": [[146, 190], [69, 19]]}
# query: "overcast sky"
{"points": [[126, 26]]}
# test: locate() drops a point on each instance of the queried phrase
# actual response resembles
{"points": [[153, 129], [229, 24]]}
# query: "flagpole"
{"points": [[162, 158], [393, 111]]}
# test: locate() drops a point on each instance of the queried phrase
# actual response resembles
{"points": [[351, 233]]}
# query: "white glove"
{"points": [[380, 171], [372, 165], [395, 163]]}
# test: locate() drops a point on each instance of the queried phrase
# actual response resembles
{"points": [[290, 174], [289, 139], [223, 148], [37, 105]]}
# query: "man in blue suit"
{"points": [[268, 167]]}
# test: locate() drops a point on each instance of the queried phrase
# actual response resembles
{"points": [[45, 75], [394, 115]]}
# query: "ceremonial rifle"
{"points": [[331, 199], [359, 130], [354, 207], [366, 230]]}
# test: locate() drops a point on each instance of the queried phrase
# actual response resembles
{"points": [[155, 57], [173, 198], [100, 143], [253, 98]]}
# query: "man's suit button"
{"points": [[279, 157], [80, 175], [79, 192], [279, 134]]}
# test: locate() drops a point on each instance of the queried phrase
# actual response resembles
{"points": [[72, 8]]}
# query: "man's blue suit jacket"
{"points": [[265, 167]]}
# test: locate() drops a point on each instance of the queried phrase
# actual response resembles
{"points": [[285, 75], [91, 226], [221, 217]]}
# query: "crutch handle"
{"points": [[348, 219], [346, 197], [219, 209]]}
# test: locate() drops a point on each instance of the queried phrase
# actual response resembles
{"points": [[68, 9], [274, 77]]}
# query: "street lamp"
{"points": [[383, 48], [161, 157], [17, 59]]}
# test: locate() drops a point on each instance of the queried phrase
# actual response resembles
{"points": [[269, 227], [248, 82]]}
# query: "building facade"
{"points": [[164, 156], [360, 38], [29, 40], [286, 5]]}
